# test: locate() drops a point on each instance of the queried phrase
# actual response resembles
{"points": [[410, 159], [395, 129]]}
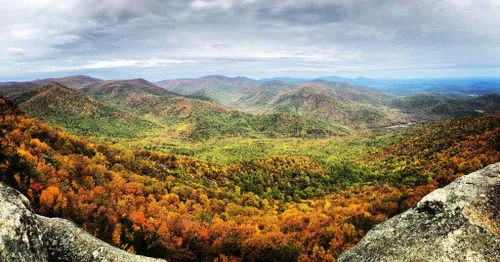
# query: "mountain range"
{"points": [[79, 112], [219, 106], [297, 160], [332, 102], [285, 206], [461, 87], [134, 108], [73, 82]]}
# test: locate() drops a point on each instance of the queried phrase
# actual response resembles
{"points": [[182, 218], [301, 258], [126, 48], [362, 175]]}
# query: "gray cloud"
{"points": [[304, 15], [258, 38]]}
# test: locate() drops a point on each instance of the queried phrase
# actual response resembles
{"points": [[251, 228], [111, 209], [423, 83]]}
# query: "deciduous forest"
{"points": [[279, 205]]}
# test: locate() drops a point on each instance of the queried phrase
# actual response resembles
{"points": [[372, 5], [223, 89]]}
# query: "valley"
{"points": [[235, 169]]}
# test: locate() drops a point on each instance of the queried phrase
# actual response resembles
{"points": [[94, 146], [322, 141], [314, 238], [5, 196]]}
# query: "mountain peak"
{"points": [[126, 91], [141, 81], [220, 77], [227, 78], [51, 89], [242, 78], [73, 82]]}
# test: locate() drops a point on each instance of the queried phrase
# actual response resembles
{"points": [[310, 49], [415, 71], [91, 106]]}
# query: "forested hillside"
{"points": [[345, 104], [248, 131], [333, 102], [134, 109], [80, 113], [278, 208], [445, 107], [200, 119], [221, 107], [224, 90]]}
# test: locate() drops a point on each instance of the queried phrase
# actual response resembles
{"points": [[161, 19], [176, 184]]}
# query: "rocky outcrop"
{"points": [[25, 236], [460, 222], [20, 234], [67, 242]]}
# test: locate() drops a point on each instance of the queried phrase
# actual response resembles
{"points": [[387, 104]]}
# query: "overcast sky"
{"points": [[153, 39]]}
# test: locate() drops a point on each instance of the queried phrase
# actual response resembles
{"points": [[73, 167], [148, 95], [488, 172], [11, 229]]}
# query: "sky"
{"points": [[156, 40]]}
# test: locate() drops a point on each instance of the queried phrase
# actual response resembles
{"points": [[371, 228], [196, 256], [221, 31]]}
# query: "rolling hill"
{"points": [[125, 93], [262, 95], [138, 108], [76, 82], [13, 88], [443, 107], [355, 106], [80, 113], [177, 207], [218, 106], [461, 87], [337, 102], [221, 89], [200, 119], [340, 103]]}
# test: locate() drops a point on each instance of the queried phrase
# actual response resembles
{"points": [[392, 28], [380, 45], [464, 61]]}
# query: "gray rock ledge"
{"points": [[460, 222], [27, 237]]}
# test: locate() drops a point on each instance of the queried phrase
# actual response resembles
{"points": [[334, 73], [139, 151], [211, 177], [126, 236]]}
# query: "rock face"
{"points": [[67, 242], [25, 236], [460, 222], [20, 235]]}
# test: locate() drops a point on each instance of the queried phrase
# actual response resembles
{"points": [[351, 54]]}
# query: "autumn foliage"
{"points": [[274, 209]]}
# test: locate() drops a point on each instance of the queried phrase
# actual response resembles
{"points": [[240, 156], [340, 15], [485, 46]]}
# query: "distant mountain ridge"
{"points": [[333, 102], [336, 102], [474, 86], [216, 105], [74, 82], [134, 108], [198, 118], [449, 107], [218, 88], [262, 95], [124, 92]]}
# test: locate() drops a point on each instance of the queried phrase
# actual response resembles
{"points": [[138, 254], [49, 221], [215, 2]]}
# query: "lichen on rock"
{"points": [[27, 237], [20, 235], [459, 222], [67, 242]]}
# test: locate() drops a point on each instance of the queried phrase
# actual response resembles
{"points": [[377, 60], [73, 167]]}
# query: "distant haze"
{"points": [[156, 40]]}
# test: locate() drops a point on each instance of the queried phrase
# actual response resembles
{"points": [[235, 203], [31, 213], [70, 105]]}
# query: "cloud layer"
{"points": [[159, 39]]}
